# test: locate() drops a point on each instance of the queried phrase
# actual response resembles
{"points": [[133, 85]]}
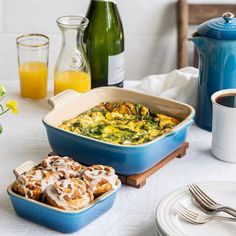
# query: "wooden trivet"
{"points": [[139, 180]]}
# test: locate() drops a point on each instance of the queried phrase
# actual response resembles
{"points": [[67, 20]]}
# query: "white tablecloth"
{"points": [[24, 138]]}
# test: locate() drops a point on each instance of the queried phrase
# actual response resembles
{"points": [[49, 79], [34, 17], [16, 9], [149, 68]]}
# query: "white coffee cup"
{"points": [[223, 144]]}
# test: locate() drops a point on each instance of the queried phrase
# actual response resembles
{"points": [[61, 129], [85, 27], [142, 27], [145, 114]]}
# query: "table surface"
{"points": [[24, 138]]}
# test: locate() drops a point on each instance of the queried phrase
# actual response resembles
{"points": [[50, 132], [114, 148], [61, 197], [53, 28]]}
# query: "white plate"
{"points": [[158, 233], [159, 230], [170, 224]]}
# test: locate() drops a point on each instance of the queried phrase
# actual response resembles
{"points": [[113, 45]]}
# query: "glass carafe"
{"points": [[72, 69]]}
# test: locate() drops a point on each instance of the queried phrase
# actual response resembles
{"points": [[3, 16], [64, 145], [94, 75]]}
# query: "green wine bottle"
{"points": [[104, 40]]}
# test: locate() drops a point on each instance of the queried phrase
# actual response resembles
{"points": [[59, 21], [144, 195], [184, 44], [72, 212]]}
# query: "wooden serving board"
{"points": [[139, 180]]}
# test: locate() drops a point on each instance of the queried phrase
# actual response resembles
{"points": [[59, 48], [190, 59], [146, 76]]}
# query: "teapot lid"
{"points": [[223, 28]]}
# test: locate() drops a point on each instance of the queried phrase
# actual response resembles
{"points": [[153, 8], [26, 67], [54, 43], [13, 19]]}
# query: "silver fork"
{"points": [[198, 218], [208, 203]]}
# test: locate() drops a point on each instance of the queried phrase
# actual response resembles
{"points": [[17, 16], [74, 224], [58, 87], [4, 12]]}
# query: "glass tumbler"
{"points": [[32, 52]]}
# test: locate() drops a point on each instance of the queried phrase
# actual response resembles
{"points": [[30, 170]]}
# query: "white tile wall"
{"points": [[150, 32]]}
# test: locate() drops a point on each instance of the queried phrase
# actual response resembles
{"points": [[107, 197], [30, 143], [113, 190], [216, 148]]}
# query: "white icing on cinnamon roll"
{"points": [[68, 194], [64, 167], [99, 178], [32, 184]]}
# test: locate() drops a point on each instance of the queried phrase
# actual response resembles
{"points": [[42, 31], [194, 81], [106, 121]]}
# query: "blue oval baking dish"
{"points": [[126, 160], [61, 220]]}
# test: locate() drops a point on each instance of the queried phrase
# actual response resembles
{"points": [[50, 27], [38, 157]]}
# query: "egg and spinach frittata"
{"points": [[120, 123]]}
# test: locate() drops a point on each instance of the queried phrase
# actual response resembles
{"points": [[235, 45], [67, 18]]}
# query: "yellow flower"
{"points": [[12, 104]]}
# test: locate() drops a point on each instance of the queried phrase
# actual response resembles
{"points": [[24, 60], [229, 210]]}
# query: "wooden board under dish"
{"points": [[139, 180]]}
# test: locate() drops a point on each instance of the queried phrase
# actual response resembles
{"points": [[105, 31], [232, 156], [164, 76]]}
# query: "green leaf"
{"points": [[2, 92], [97, 130], [1, 128], [137, 108]]}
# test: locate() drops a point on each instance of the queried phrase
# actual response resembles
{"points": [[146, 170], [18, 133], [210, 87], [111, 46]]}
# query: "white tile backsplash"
{"points": [[39, 15], [150, 32]]}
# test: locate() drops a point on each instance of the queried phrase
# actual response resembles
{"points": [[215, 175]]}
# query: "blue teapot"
{"points": [[215, 41]]}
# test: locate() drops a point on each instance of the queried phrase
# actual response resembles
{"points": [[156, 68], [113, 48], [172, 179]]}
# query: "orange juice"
{"points": [[77, 80], [33, 79]]}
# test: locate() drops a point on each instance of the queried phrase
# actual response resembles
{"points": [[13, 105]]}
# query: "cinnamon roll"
{"points": [[63, 167], [33, 183], [68, 194], [99, 179]]}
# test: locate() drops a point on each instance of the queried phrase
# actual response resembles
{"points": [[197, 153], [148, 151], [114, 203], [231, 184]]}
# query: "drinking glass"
{"points": [[32, 53]]}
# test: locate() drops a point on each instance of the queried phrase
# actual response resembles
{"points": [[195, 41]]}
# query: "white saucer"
{"points": [[168, 223]]}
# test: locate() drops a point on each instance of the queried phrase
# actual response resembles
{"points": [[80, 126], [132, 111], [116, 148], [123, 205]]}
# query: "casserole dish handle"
{"points": [[26, 166], [63, 97]]}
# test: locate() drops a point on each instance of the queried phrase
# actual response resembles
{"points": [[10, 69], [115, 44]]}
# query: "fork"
{"points": [[198, 218], [208, 203]]}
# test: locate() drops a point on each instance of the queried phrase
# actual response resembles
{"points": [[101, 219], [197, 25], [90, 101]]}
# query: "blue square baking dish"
{"points": [[61, 220], [126, 160]]}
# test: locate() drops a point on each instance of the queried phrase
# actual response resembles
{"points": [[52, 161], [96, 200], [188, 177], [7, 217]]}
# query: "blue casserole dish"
{"points": [[127, 160], [61, 220]]}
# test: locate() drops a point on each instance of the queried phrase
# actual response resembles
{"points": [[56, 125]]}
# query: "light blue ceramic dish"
{"points": [[127, 160], [61, 220]]}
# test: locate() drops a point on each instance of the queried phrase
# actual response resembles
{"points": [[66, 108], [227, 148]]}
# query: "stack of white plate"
{"points": [[168, 223]]}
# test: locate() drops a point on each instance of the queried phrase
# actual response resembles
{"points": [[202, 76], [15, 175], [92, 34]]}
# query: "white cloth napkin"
{"points": [[180, 85]]}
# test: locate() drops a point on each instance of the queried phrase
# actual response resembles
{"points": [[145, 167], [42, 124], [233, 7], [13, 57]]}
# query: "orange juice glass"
{"points": [[32, 52]]}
